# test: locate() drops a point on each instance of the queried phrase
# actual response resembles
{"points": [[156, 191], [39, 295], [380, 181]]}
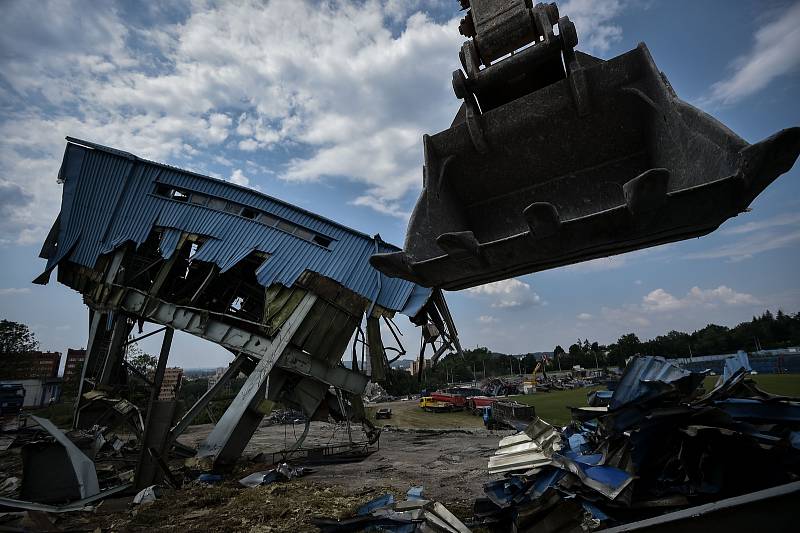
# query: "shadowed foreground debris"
{"points": [[662, 445]]}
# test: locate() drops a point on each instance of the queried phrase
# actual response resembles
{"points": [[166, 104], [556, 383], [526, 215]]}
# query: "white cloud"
{"points": [[507, 293], [12, 291], [584, 316], [487, 319], [746, 248], [239, 178], [660, 310], [773, 54], [784, 219], [344, 95], [660, 300], [594, 22]]}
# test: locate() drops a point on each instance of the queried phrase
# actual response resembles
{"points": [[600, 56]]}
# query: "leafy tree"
{"points": [[16, 338], [141, 361]]}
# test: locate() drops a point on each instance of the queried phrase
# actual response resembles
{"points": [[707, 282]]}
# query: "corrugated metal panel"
{"points": [[109, 199]]}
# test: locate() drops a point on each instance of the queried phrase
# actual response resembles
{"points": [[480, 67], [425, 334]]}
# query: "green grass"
{"points": [[410, 415], [782, 384], [550, 406]]}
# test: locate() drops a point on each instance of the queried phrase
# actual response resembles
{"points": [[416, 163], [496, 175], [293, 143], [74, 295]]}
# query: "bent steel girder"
{"points": [[236, 426], [558, 157]]}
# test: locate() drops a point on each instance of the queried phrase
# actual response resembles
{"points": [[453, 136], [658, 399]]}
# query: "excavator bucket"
{"points": [[558, 157]]}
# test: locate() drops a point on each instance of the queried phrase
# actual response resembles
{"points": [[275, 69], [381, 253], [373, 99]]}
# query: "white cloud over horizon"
{"points": [[773, 54], [338, 90], [506, 294]]}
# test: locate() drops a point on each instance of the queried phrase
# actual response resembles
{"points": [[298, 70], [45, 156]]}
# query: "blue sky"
{"points": [[324, 105]]}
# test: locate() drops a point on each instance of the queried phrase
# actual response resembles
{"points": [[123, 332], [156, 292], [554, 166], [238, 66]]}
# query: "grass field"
{"points": [[409, 415], [550, 406]]}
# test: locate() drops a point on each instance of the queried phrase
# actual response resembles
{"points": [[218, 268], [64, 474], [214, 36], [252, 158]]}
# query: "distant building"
{"points": [[171, 384], [414, 369], [38, 391], [215, 377], [30, 365], [74, 364]]}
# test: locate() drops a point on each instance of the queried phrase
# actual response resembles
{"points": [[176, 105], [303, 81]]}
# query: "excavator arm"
{"points": [[557, 157]]}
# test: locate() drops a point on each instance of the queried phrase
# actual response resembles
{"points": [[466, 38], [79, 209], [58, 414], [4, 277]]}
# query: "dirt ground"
{"points": [[450, 464]]}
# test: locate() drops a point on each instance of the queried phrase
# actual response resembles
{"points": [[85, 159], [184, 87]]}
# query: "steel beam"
{"points": [[114, 356], [157, 424], [238, 340], [96, 319], [236, 426], [299, 362], [202, 402]]}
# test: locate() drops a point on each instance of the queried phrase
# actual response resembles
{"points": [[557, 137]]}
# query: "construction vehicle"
{"points": [[508, 415], [433, 406], [476, 403], [456, 401], [557, 157], [12, 398]]}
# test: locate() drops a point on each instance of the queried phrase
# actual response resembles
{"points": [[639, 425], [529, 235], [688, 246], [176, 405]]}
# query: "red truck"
{"points": [[456, 400], [477, 403]]}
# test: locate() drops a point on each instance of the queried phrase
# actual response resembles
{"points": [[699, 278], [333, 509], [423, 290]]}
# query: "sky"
{"points": [[324, 105]]}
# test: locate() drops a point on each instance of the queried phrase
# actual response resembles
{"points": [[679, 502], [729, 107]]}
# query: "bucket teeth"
{"points": [[459, 244], [647, 192], [393, 264], [542, 219], [558, 157]]}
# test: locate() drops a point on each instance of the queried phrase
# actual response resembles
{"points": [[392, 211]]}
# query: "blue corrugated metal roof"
{"points": [[109, 198]]}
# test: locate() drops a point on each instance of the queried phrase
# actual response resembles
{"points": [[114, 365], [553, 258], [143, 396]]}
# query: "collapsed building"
{"points": [[283, 289]]}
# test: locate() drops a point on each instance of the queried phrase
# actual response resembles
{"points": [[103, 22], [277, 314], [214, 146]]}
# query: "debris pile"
{"points": [[282, 472], [663, 444], [374, 393], [495, 386], [409, 516], [285, 416]]}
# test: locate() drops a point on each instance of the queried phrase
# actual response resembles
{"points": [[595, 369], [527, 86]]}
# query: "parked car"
{"points": [[12, 397], [383, 413]]}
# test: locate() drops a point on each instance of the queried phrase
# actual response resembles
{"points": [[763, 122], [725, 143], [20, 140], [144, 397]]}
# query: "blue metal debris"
{"points": [[379, 502], [734, 364], [112, 197], [663, 446], [647, 378], [415, 493]]}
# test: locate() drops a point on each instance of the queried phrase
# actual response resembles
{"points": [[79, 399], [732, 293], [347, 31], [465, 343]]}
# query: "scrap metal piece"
{"points": [[558, 157], [774, 508], [79, 505], [233, 431], [647, 378], [49, 478]]}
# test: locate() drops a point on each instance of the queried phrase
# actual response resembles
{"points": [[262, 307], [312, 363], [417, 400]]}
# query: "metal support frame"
{"points": [[96, 319], [157, 423], [137, 339], [239, 340], [115, 351], [203, 401], [236, 426]]}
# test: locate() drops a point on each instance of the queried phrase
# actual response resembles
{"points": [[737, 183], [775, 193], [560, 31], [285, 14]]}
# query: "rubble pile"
{"points": [[283, 472], [415, 514], [285, 416], [495, 386], [374, 393], [662, 444], [79, 466]]}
